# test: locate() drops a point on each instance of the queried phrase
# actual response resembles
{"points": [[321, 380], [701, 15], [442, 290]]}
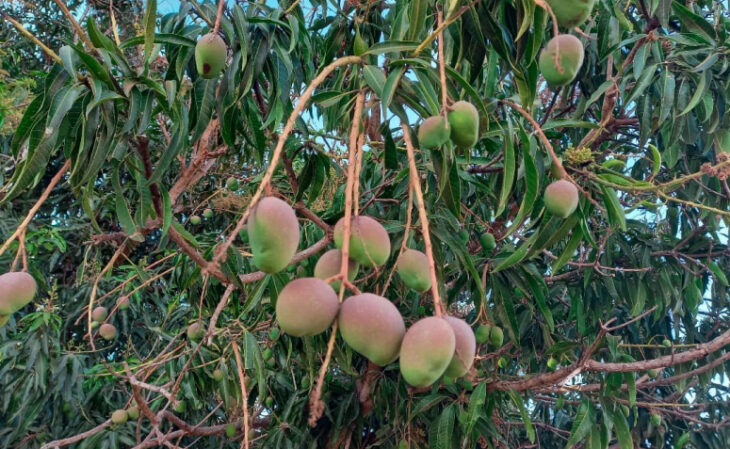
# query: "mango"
{"points": [[17, 288], [119, 416], [306, 306], [433, 132], [372, 326], [571, 13], [464, 124], [426, 351], [4, 320], [123, 303], [656, 420], [273, 231], [210, 55], [496, 336], [466, 347], [561, 198], [195, 331], [329, 264], [369, 241], [218, 374], [99, 314], [561, 59], [488, 242], [133, 412], [482, 333], [107, 331], [413, 269]]}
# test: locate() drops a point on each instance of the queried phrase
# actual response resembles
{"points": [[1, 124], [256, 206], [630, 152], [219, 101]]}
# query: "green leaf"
{"points": [[568, 251], [375, 79], [390, 47], [532, 185], [623, 435], [614, 209], [442, 432], [150, 17], [517, 400], [167, 212], [161, 38], [509, 171], [582, 424], [699, 92]]}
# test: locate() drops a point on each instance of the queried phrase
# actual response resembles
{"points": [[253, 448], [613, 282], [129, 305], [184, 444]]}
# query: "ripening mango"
{"points": [[561, 198], [119, 416], [210, 55], [466, 347], [99, 314], [426, 351], [306, 306], [561, 59], [372, 326], [433, 132], [17, 289], [195, 331], [369, 241], [329, 264], [273, 231], [413, 269], [107, 331], [464, 124], [571, 13]]}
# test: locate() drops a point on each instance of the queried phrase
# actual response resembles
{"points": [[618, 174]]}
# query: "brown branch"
{"points": [[76, 438], [244, 394]]}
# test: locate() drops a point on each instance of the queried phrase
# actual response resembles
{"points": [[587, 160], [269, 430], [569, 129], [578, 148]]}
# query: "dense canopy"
{"points": [[138, 137]]}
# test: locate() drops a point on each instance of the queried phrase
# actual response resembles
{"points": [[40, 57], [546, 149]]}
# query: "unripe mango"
{"points": [[466, 347], [17, 289], [195, 220], [571, 13], [488, 242], [273, 231], [232, 183], [195, 331], [210, 55], [433, 132], [372, 326], [306, 306], [208, 213], [230, 430], [656, 420], [119, 416], [107, 331], [496, 336], [99, 314], [369, 241], [123, 303], [482, 333], [561, 59], [561, 198], [464, 124], [413, 269], [329, 264], [426, 351], [552, 363], [133, 412], [180, 406], [217, 375]]}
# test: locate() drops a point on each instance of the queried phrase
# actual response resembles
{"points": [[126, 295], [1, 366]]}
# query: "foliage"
{"points": [[148, 144]]}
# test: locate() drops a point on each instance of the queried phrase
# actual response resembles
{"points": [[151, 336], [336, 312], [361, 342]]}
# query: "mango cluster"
{"points": [[462, 127]]}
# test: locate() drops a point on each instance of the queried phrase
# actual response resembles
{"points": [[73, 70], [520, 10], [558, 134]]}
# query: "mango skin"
{"points": [[413, 269], [570, 59], [571, 13], [426, 351], [466, 347], [195, 331], [306, 306], [464, 124], [99, 314], [561, 198], [372, 326], [329, 265], [17, 288], [369, 241], [273, 231], [433, 132], [108, 331], [210, 55]]}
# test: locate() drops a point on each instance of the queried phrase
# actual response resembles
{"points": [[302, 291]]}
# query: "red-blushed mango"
{"points": [[372, 326], [119, 416], [195, 331], [464, 124], [571, 13], [369, 241], [306, 306], [466, 347], [561, 59], [413, 270], [123, 303], [99, 314], [426, 351], [433, 132], [329, 264], [273, 231], [107, 331], [210, 55], [17, 289], [561, 198]]}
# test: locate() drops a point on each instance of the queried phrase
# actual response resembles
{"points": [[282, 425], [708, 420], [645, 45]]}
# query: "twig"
{"points": [[31, 213], [76, 438], [442, 68], [218, 17], [34, 39], [74, 23], [244, 394], [416, 185]]}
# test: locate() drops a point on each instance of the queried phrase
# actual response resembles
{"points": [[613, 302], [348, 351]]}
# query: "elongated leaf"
{"points": [[623, 434], [581, 425], [615, 212], [517, 400], [150, 17], [509, 171], [442, 433], [532, 186]]}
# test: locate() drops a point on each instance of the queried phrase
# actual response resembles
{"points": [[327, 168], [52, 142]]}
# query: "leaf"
{"points": [[532, 185], [417, 16], [517, 400], [161, 38], [391, 84], [96, 69], [699, 92], [623, 435], [656, 157], [581, 425], [390, 47], [150, 17], [631, 385], [167, 212], [616, 216], [568, 251], [442, 432], [375, 79], [509, 171]]}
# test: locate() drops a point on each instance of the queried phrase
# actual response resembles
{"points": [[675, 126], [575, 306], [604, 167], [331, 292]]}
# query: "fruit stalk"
{"points": [[442, 68], [416, 186]]}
